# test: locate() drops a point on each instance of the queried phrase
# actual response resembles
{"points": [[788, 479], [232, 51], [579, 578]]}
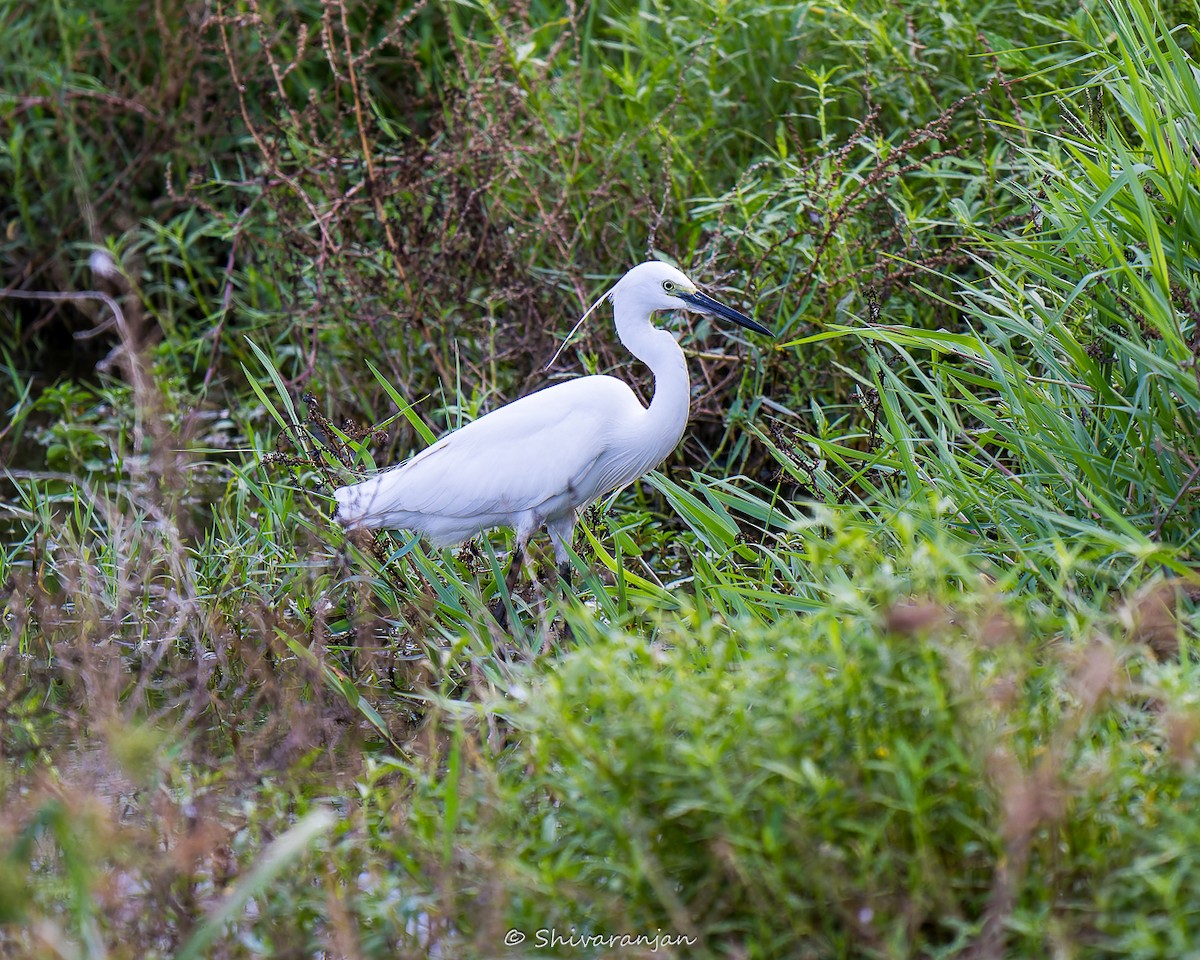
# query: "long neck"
{"points": [[657, 349]]}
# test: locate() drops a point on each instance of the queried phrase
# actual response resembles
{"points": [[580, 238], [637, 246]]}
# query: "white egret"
{"points": [[539, 460]]}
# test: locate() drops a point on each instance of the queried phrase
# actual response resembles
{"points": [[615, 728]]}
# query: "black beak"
{"points": [[706, 304]]}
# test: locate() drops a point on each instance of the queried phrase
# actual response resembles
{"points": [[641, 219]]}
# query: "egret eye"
{"points": [[669, 286]]}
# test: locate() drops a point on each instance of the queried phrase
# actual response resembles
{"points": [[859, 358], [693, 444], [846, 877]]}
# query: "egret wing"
{"points": [[620, 467], [516, 458]]}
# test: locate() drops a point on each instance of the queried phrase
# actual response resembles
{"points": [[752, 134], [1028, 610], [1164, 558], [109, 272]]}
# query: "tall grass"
{"points": [[1063, 423], [896, 658]]}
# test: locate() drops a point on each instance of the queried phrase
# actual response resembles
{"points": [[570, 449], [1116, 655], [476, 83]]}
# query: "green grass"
{"points": [[894, 657]]}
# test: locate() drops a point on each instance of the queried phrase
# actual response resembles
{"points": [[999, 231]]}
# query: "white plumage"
{"points": [[540, 459]]}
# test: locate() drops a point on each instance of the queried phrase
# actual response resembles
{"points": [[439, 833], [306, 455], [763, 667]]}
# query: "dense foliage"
{"points": [[895, 657]]}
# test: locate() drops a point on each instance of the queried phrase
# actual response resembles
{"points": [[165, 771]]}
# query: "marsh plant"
{"points": [[895, 656]]}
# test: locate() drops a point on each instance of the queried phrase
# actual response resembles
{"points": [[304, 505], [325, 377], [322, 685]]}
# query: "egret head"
{"points": [[655, 285], [652, 286]]}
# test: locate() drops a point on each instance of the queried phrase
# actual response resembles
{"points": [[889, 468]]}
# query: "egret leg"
{"points": [[560, 534], [565, 572], [499, 610]]}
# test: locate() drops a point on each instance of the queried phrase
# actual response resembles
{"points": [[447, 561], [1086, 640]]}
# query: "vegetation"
{"points": [[897, 656]]}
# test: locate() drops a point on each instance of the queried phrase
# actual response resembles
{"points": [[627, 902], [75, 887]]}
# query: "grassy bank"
{"points": [[894, 656]]}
